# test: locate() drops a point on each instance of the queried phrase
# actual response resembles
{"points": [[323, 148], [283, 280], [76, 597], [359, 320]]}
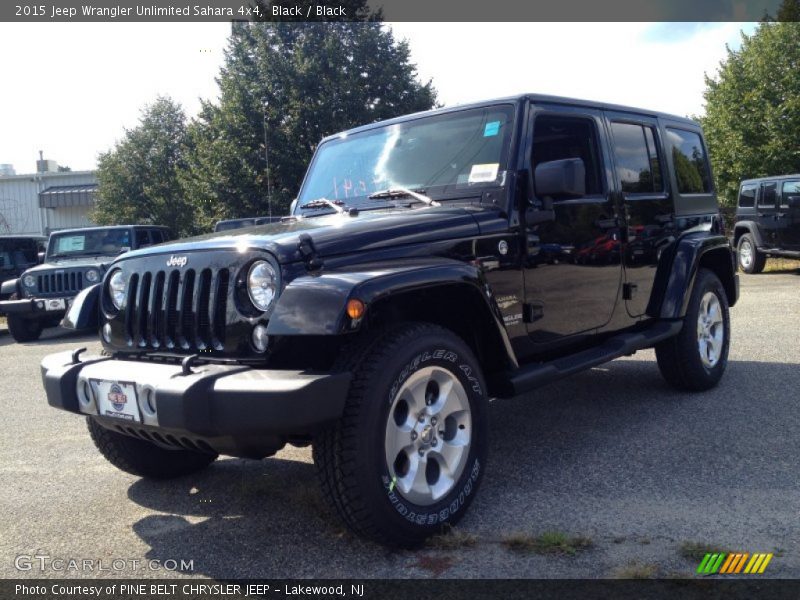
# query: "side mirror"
{"points": [[793, 201], [40, 257], [565, 177], [292, 206]]}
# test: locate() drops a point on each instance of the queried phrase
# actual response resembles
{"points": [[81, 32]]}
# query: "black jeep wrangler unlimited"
{"points": [[767, 221], [403, 293], [18, 253], [75, 258]]}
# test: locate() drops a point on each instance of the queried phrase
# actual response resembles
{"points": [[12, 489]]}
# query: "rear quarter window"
{"points": [[690, 161], [747, 196]]}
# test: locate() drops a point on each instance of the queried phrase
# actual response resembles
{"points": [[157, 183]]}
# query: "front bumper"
{"points": [[226, 406], [37, 307]]}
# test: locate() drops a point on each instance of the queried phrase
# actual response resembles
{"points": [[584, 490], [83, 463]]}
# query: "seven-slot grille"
{"points": [[58, 283], [178, 310]]}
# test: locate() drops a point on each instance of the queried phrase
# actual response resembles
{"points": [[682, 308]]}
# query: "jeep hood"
{"points": [[335, 234], [86, 262]]}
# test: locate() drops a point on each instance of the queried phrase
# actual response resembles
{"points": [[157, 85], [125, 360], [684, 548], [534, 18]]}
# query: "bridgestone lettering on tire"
{"points": [[144, 459], [366, 476], [696, 358]]}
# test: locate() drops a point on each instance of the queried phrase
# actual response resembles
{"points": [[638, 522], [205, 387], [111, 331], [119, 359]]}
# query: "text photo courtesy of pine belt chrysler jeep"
{"points": [[426, 268], [75, 259]]}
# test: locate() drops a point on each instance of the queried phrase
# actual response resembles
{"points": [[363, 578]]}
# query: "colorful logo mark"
{"points": [[734, 563]]}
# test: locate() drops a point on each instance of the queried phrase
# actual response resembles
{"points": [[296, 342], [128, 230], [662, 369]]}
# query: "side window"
{"points": [[557, 138], [142, 238], [790, 188], [747, 196], [691, 163], [157, 236], [768, 193], [636, 154]]}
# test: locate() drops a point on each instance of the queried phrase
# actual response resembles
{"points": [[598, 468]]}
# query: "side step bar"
{"points": [[536, 375]]}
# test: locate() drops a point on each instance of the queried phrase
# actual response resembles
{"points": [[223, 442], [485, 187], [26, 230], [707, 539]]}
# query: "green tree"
{"points": [[752, 120], [138, 178], [285, 86]]}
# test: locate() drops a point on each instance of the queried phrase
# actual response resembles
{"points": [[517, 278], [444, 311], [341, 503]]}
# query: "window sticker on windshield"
{"points": [[483, 173], [492, 128], [73, 243]]}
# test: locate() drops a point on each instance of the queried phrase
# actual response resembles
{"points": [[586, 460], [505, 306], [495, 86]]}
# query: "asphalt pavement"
{"points": [[611, 455]]}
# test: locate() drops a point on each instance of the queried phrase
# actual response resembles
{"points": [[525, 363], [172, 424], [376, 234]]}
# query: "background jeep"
{"points": [[75, 258], [767, 221], [18, 253], [406, 291]]}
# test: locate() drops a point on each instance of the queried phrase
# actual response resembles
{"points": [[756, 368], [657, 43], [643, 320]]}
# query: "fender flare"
{"points": [[676, 277], [9, 287], [84, 313], [317, 304], [750, 227]]}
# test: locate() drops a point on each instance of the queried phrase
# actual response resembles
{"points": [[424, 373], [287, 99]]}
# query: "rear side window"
{"points": [[747, 196], [691, 163], [157, 236], [638, 167], [768, 193]]}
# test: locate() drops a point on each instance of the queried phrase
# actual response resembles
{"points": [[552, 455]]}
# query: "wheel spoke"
{"points": [[397, 439]]}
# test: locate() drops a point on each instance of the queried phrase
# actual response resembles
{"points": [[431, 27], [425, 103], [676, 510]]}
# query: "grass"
{"points": [[695, 551], [452, 539], [636, 571], [781, 265], [549, 542]]}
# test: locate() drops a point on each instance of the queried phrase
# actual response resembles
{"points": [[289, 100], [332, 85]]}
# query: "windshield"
{"points": [[445, 154], [93, 242], [17, 254]]}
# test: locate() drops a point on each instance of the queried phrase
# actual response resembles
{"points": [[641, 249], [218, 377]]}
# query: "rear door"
{"points": [[766, 206], [788, 217], [639, 168]]}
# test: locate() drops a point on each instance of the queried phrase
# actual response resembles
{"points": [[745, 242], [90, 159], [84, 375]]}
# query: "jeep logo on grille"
{"points": [[177, 261]]}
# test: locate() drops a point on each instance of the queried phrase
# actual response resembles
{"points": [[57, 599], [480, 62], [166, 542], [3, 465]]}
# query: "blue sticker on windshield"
{"points": [[492, 128]]}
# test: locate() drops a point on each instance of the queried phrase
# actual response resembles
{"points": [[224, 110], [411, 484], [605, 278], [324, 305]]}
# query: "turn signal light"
{"points": [[355, 308]]}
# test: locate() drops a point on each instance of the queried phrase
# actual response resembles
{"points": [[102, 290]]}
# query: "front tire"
{"points": [[408, 454], [750, 259], [696, 358], [22, 329], [145, 459]]}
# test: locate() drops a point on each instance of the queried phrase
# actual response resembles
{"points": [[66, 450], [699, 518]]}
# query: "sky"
{"points": [[71, 89]]}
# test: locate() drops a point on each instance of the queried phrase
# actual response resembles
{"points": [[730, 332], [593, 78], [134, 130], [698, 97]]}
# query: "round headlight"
{"points": [[29, 280], [262, 285], [117, 286], [92, 275]]}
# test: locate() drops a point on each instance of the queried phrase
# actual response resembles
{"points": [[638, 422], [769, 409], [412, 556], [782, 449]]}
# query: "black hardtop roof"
{"points": [[773, 178], [101, 227], [537, 98]]}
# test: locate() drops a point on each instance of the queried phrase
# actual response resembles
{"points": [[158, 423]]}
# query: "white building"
{"points": [[42, 202]]}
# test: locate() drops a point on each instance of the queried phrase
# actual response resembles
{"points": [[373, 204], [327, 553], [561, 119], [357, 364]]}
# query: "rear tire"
{"points": [[408, 454], [144, 459], [696, 358], [22, 329], [750, 259]]}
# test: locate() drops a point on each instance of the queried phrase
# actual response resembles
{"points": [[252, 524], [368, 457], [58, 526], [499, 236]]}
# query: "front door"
{"points": [[765, 214], [572, 268], [788, 216]]}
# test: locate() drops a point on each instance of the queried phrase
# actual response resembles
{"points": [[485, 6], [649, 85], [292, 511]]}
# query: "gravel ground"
{"points": [[612, 455]]}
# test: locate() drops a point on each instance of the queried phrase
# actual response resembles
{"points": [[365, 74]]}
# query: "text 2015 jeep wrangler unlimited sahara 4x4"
{"points": [[429, 265]]}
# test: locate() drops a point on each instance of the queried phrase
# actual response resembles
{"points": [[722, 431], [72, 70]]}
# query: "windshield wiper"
{"points": [[400, 192], [324, 202]]}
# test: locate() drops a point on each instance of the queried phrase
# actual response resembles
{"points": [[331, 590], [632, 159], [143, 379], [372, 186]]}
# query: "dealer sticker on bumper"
{"points": [[55, 304], [116, 399]]}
